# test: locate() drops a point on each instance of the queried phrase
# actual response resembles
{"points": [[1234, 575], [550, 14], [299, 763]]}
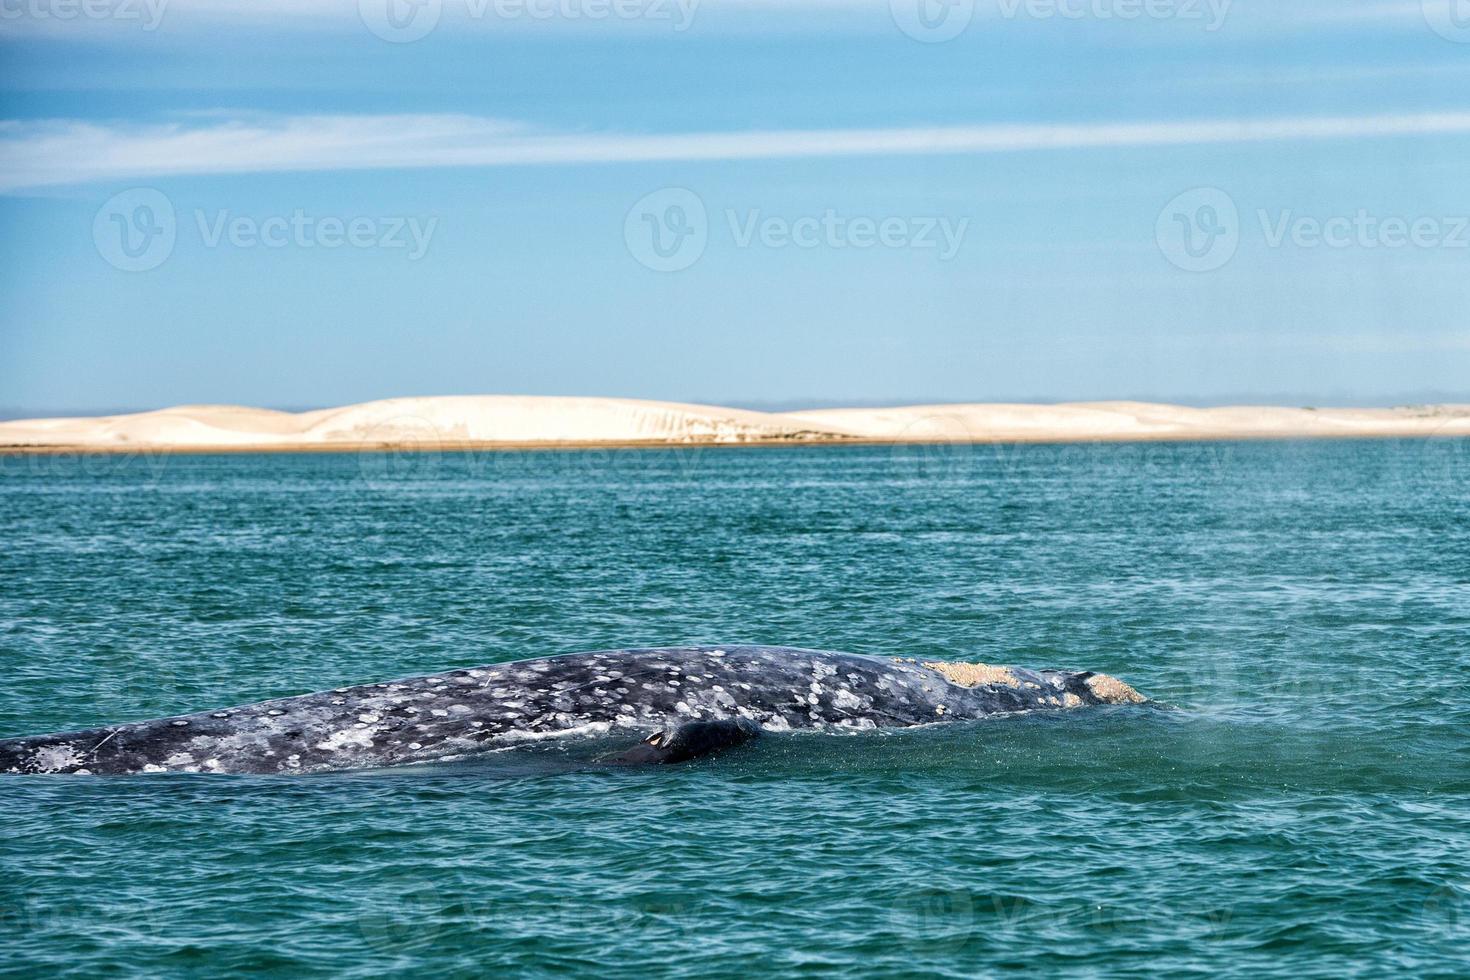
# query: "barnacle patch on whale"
{"points": [[1110, 690], [975, 675]]}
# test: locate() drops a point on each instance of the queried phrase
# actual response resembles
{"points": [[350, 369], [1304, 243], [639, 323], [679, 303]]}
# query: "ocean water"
{"points": [[1297, 803]]}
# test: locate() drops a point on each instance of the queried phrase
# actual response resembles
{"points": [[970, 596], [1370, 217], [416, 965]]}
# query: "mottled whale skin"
{"points": [[462, 712]]}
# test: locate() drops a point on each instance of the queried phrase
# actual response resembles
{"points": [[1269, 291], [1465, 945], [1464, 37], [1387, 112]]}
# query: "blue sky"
{"points": [[1204, 202]]}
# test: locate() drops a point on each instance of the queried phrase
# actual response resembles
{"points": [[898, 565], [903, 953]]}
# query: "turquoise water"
{"points": [[1299, 805]]}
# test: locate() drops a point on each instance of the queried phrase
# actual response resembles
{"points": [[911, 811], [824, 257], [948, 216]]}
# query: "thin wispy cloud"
{"points": [[59, 152]]}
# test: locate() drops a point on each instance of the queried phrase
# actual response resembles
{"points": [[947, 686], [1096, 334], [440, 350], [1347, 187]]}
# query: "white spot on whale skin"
{"points": [[347, 738], [368, 717], [179, 759], [438, 712], [151, 767], [275, 712], [179, 724], [50, 758]]}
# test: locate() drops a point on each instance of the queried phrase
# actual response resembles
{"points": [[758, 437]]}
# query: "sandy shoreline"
{"points": [[512, 422]]}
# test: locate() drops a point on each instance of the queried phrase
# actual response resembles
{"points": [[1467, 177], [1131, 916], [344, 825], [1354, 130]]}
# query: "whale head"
{"points": [[1080, 688]]}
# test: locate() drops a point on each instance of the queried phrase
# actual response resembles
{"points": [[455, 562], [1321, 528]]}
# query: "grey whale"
{"points": [[695, 700]]}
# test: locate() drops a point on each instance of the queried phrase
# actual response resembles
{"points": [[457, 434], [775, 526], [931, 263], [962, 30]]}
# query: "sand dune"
{"points": [[500, 420], [469, 420], [1116, 421]]}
